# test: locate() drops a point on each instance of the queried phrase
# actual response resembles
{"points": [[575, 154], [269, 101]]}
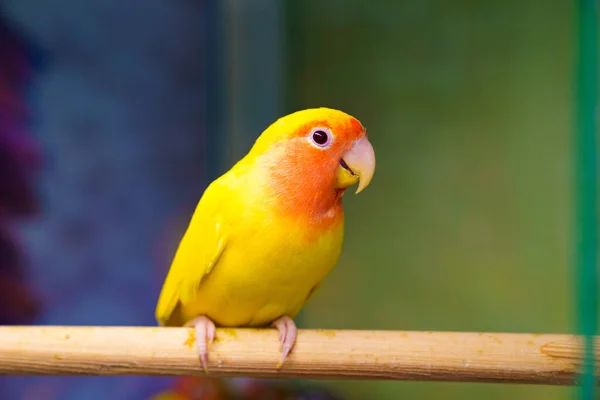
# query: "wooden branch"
{"points": [[425, 356]]}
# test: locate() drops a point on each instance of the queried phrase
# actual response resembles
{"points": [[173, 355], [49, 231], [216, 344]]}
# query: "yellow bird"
{"points": [[265, 234]]}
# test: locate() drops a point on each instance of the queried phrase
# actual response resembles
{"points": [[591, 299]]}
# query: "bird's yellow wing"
{"points": [[199, 251]]}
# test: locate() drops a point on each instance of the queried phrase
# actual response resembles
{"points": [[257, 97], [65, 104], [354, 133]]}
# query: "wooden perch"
{"points": [[425, 356]]}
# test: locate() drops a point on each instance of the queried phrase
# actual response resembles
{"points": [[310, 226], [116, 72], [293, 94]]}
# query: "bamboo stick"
{"points": [[425, 356]]}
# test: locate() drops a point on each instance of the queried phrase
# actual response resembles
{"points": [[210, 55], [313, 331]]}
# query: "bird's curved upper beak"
{"points": [[357, 165]]}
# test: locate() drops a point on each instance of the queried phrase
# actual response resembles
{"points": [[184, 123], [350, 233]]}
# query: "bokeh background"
{"points": [[135, 106]]}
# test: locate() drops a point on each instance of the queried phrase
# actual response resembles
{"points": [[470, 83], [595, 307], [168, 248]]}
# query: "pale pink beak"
{"points": [[361, 161]]}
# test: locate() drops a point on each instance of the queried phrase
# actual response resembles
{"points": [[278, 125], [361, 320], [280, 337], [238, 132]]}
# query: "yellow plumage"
{"points": [[239, 265], [265, 234]]}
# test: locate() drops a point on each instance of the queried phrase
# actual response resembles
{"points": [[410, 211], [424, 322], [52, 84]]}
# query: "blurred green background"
{"points": [[467, 223]]}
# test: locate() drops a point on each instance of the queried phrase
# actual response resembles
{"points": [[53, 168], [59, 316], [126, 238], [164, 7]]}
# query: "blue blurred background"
{"points": [[135, 106]]}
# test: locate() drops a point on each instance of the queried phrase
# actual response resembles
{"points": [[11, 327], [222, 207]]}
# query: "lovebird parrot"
{"points": [[265, 233]]}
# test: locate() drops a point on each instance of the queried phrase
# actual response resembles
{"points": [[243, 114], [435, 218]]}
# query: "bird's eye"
{"points": [[320, 137]]}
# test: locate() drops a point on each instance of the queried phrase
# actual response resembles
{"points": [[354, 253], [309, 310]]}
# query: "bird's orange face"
{"points": [[312, 157]]}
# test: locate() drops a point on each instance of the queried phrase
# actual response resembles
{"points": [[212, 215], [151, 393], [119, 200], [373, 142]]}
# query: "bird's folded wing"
{"points": [[199, 251]]}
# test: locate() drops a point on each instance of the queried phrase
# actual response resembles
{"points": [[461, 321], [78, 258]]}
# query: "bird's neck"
{"points": [[305, 192], [314, 202]]}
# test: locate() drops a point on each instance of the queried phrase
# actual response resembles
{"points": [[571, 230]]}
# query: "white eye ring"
{"points": [[320, 137]]}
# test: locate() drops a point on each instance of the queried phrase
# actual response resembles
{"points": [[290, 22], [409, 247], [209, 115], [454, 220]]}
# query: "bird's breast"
{"points": [[267, 270]]}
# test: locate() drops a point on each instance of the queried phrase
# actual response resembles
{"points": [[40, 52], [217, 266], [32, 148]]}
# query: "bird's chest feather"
{"points": [[267, 258], [286, 256], [268, 269]]}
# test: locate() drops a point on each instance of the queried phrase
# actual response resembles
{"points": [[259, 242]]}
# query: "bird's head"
{"points": [[312, 156]]}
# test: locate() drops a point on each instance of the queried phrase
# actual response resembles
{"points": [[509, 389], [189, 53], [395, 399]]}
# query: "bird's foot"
{"points": [[287, 336], [205, 335]]}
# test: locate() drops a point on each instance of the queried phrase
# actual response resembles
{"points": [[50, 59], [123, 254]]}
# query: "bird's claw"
{"points": [[287, 336], [205, 335]]}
